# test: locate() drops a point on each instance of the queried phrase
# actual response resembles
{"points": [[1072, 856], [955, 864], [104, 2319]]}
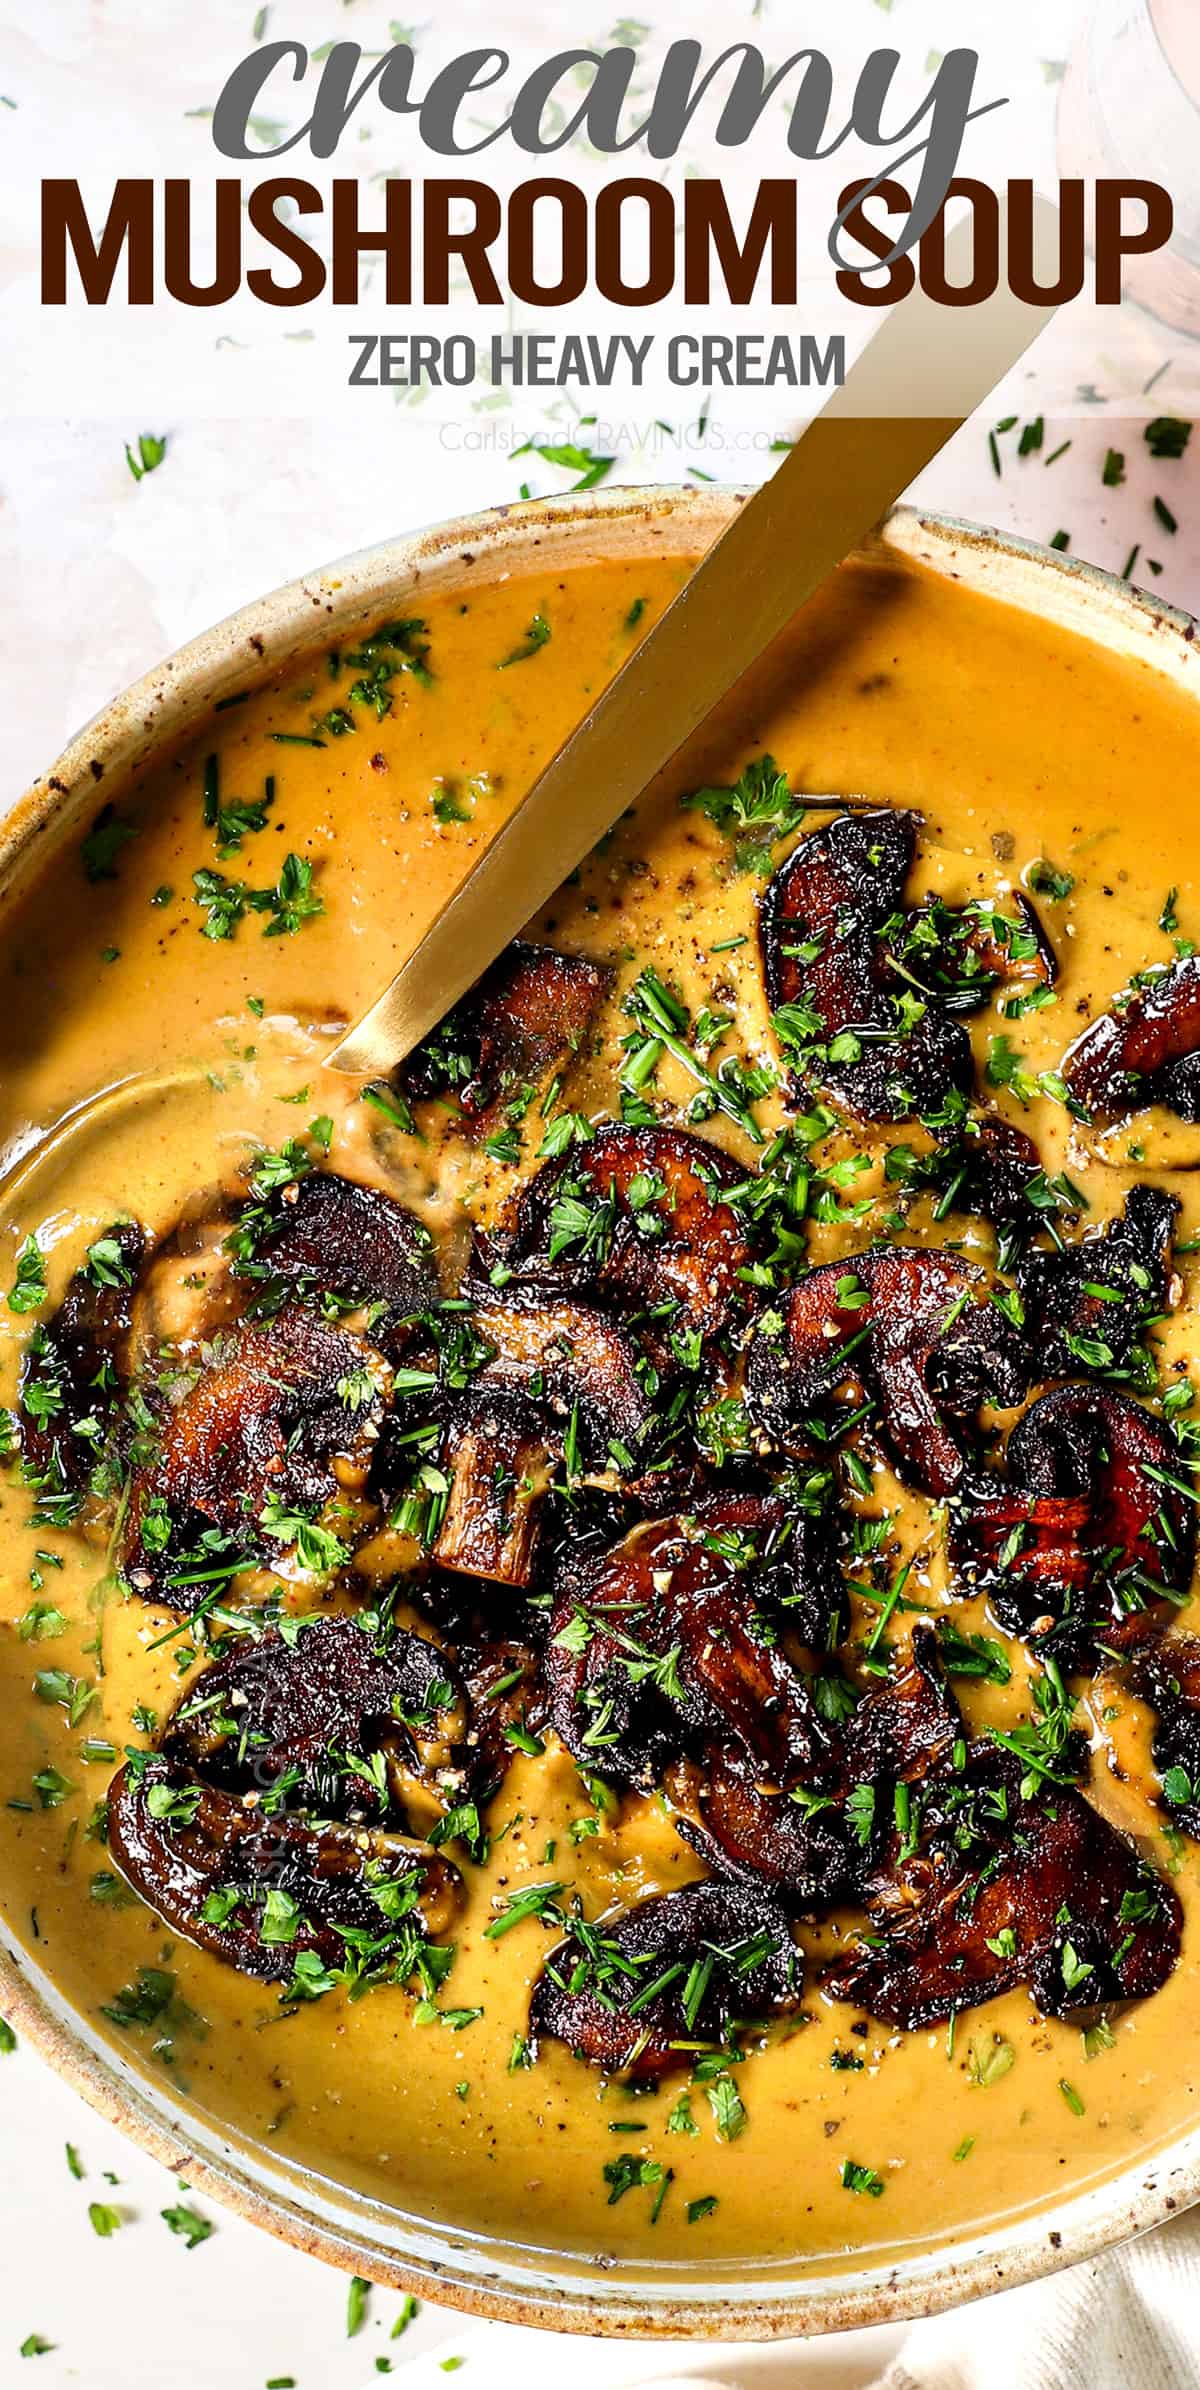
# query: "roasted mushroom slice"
{"points": [[279, 1420], [994, 1889], [495, 1649], [990, 1169], [638, 1216], [263, 1892], [790, 1838], [1146, 1051], [920, 1332], [1166, 1674], [1091, 1536], [905, 1726], [676, 1639], [557, 1377], [77, 1364], [498, 1475], [635, 1994], [573, 1362], [503, 1680], [327, 1235], [838, 1006], [810, 1836], [1086, 1304], [1032, 1556], [528, 1015], [304, 1715], [959, 955]]}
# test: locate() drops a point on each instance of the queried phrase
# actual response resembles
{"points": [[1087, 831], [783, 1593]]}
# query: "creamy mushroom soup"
{"points": [[596, 1637]]}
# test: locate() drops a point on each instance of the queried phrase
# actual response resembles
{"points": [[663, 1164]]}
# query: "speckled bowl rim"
{"points": [[485, 2275]]}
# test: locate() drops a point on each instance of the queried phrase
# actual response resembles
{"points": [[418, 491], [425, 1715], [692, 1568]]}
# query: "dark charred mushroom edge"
{"points": [[633, 1454]]}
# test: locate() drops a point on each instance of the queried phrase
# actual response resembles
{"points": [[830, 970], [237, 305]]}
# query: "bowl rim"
{"points": [[469, 2273]]}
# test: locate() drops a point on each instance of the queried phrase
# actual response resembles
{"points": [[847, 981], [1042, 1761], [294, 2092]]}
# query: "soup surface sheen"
{"points": [[1015, 743]]}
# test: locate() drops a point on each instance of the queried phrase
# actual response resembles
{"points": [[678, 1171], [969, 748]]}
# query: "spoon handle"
{"points": [[848, 467]]}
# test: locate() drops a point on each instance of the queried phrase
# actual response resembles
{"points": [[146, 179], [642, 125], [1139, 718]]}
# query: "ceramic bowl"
{"points": [[507, 2278]]}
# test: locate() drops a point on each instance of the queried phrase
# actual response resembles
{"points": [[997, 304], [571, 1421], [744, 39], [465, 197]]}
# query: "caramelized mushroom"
{"points": [[528, 1015], [503, 1680], [495, 1648], [1147, 1051], [216, 1829], [302, 1715], [263, 1891], [635, 1994], [77, 1364], [764, 1834], [905, 1726], [556, 1372], [573, 1362], [805, 1837], [919, 1331], [324, 1234], [280, 1418], [675, 1638], [991, 1170], [637, 1216], [823, 925], [994, 1889], [959, 955], [498, 1475], [1167, 1675], [1086, 1304], [1090, 1535]]}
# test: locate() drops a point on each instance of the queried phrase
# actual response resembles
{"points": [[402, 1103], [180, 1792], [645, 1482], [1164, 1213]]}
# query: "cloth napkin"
{"points": [[1129, 2321]]}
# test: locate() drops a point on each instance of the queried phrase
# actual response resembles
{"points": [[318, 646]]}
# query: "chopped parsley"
{"points": [[754, 814], [148, 456], [188, 2225], [535, 638], [288, 905]]}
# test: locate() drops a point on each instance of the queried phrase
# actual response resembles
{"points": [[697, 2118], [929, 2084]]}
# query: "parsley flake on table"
{"points": [[189, 2226], [151, 449]]}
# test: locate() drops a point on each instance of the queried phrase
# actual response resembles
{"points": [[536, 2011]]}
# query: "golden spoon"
{"points": [[916, 382]]}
